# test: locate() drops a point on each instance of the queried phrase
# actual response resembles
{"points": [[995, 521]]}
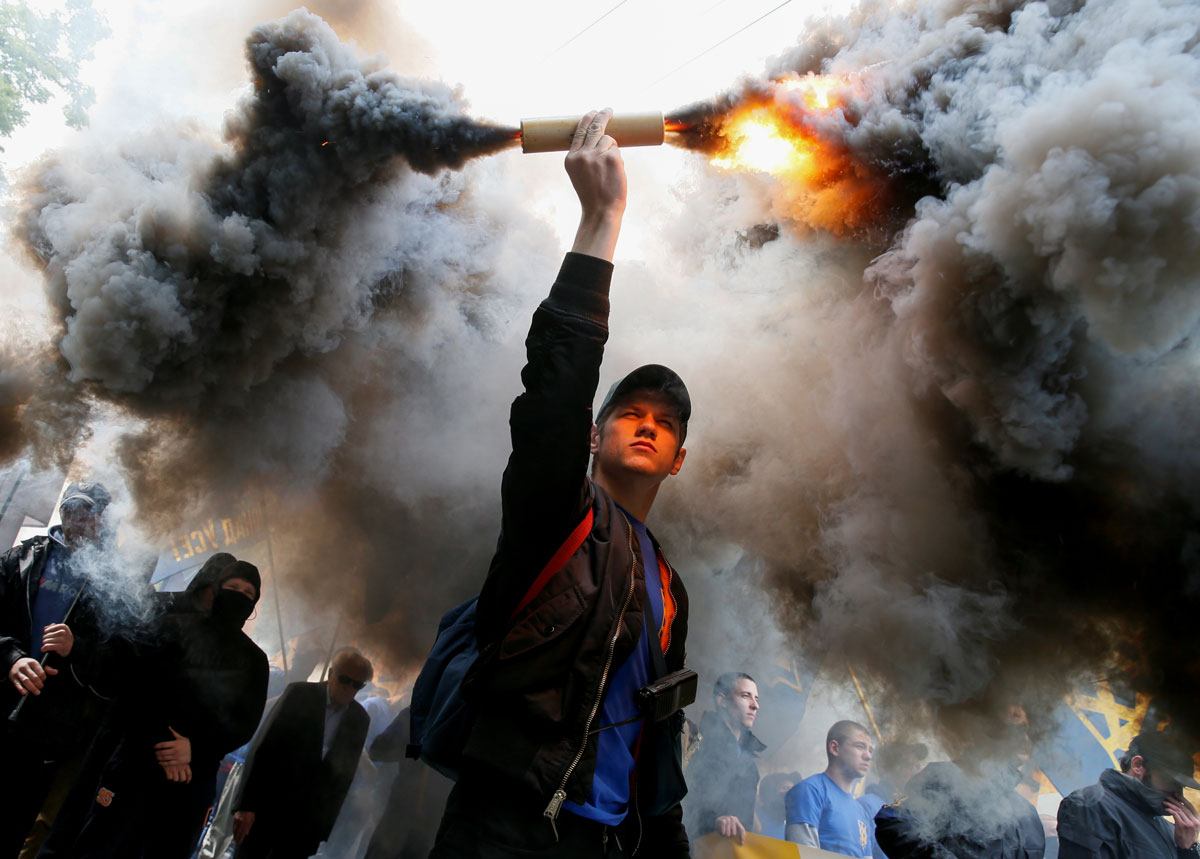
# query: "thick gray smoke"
{"points": [[979, 455], [953, 453], [268, 304]]}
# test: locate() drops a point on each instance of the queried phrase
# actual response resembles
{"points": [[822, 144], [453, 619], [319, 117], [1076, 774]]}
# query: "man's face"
{"points": [[1147, 775], [345, 680], [640, 435], [741, 704], [80, 524], [853, 753]]}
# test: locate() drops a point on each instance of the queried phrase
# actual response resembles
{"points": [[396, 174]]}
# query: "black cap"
{"points": [[242, 570], [94, 495], [1164, 754], [654, 378]]}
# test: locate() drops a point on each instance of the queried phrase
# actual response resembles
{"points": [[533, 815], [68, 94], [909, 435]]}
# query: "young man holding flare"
{"points": [[559, 762]]}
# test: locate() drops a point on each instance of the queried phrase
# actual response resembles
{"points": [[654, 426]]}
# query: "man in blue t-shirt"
{"points": [[821, 810]]}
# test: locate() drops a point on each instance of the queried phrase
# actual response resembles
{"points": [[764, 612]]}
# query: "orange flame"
{"points": [[781, 135]]}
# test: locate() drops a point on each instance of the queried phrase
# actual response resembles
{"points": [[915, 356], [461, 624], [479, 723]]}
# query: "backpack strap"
{"points": [[556, 563]]}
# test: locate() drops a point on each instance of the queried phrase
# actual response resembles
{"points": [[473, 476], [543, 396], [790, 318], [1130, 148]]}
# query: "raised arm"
{"points": [[545, 491]]}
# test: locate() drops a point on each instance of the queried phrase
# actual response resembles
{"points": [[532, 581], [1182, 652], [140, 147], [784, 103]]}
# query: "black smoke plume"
{"points": [[1013, 498]]}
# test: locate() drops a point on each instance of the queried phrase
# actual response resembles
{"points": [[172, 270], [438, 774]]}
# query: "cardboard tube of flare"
{"points": [[554, 133]]}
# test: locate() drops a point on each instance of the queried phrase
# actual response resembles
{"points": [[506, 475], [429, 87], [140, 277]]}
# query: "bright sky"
{"points": [[168, 61]]}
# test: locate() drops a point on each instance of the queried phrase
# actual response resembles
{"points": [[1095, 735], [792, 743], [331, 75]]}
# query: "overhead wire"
{"points": [[709, 50], [585, 29]]}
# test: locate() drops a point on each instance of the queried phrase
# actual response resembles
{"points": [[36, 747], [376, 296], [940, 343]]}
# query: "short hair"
{"points": [[352, 656], [1126, 761], [725, 683], [841, 730]]}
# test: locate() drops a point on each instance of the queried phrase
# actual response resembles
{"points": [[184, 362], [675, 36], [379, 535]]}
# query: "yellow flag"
{"points": [[716, 846]]}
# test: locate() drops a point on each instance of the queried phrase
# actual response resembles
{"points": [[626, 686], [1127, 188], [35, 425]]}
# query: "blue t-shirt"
{"points": [[608, 801], [56, 591], [842, 824]]}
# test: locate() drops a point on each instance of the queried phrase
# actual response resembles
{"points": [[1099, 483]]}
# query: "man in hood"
{"points": [[1123, 815]]}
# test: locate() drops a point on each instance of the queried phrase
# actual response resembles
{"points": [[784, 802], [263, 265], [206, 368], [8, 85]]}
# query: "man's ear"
{"points": [[594, 442], [679, 460], [1137, 766]]}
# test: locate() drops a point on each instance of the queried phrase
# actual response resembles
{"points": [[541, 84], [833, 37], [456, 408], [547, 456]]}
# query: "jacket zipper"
{"points": [[638, 813], [560, 795]]}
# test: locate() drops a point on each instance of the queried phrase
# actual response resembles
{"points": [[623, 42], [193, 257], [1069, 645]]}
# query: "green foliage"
{"points": [[40, 54]]}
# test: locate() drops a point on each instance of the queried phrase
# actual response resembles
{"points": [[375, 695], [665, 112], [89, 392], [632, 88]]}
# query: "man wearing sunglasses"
{"points": [[301, 764]]}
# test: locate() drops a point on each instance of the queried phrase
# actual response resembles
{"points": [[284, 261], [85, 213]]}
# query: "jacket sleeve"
{"points": [[545, 490], [257, 780], [12, 612], [1077, 837], [896, 834]]}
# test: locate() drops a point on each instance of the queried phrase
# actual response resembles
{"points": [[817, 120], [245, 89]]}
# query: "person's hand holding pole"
{"points": [[58, 638], [598, 175], [29, 676]]}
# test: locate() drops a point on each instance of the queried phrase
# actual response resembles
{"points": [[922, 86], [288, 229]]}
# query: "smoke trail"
{"points": [[991, 478], [259, 308]]}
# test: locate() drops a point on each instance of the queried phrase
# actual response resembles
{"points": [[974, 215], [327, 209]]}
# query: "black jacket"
{"points": [[722, 777], [56, 718], [545, 682], [948, 814], [1110, 820], [286, 782]]}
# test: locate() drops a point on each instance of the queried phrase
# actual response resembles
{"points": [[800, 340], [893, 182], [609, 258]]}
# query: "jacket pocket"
{"points": [[546, 622]]}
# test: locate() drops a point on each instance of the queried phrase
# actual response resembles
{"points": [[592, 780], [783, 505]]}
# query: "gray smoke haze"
{"points": [[952, 450], [977, 456], [260, 305]]}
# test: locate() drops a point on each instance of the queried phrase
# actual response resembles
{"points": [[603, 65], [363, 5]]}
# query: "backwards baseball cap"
{"points": [[1166, 755], [94, 495], [652, 378]]}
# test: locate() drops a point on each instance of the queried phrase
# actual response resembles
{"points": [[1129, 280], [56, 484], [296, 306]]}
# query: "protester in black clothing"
{"points": [[723, 775], [301, 764], [198, 595], [538, 778], [1122, 817], [969, 809], [196, 692], [39, 581]]}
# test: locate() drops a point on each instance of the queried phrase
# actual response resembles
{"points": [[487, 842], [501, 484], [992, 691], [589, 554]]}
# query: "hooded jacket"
{"points": [[543, 674], [1111, 820], [722, 777]]}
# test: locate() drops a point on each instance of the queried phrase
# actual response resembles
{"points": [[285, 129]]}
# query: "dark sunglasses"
{"points": [[347, 680]]}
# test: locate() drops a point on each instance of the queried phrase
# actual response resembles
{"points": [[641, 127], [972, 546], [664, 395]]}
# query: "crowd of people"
{"points": [[573, 741]]}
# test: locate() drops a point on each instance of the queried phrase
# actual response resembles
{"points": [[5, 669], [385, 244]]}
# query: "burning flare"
{"points": [[791, 129]]}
